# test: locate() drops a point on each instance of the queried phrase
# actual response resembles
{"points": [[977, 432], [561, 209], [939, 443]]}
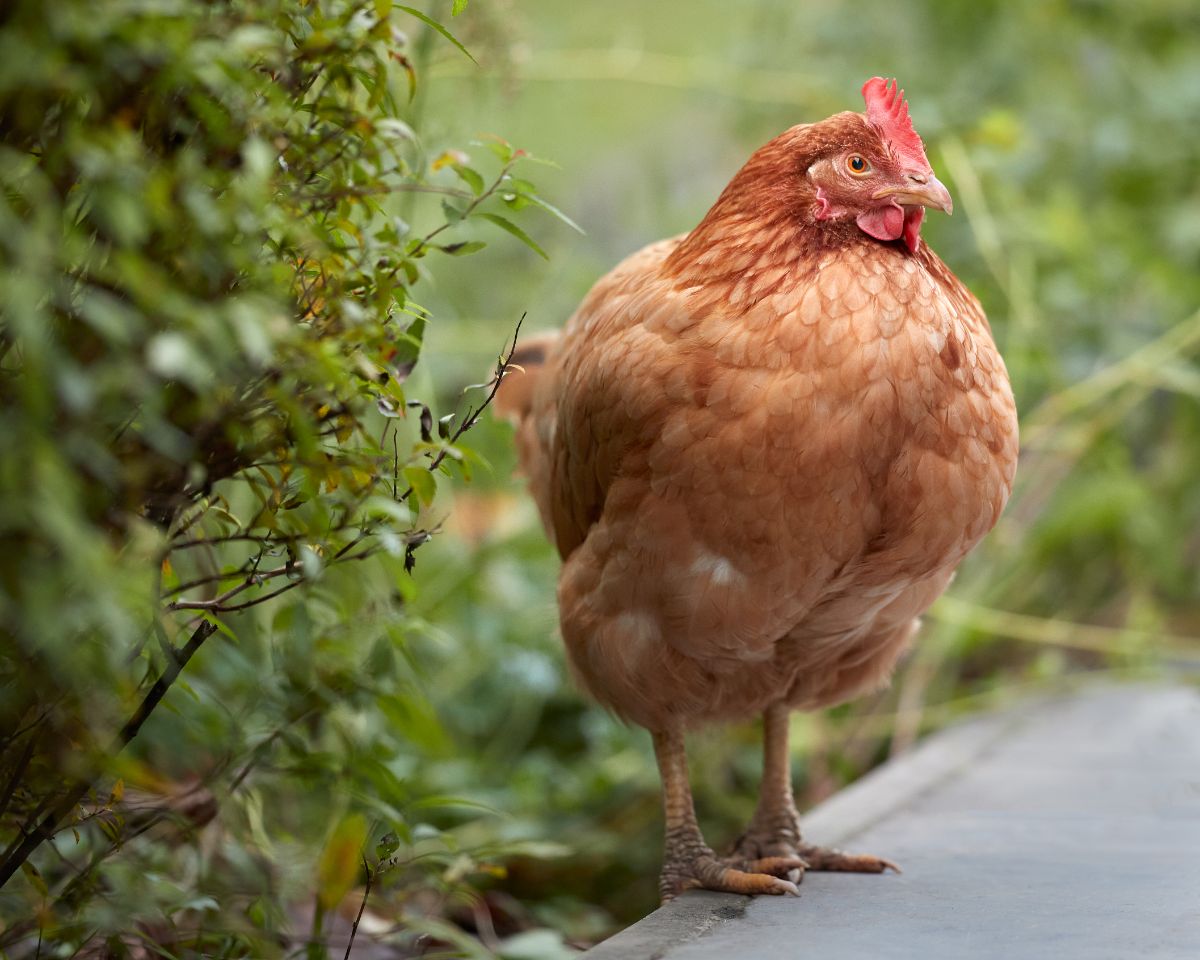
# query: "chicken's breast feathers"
{"points": [[764, 483]]}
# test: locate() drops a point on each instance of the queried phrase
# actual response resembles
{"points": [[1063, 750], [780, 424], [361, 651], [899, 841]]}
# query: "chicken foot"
{"points": [[774, 831], [688, 861]]}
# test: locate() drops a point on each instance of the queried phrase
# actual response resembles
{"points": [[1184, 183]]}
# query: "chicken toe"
{"points": [[826, 858], [706, 872]]}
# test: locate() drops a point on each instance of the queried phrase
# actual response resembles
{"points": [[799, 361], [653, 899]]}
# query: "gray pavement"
{"points": [[1061, 829]]}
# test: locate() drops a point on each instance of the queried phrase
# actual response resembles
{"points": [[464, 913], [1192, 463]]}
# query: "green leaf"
{"points": [[441, 801], [408, 348], [423, 483], [392, 128], [424, 18], [459, 7], [385, 507], [221, 625], [203, 904], [35, 878], [510, 227], [462, 249], [501, 148], [470, 177], [553, 210], [388, 844]]}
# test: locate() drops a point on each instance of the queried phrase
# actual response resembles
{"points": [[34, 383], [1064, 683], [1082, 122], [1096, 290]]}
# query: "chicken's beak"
{"points": [[920, 190]]}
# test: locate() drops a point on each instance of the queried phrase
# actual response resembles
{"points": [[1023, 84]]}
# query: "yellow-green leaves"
{"points": [[426, 19], [341, 860], [509, 227], [213, 224]]}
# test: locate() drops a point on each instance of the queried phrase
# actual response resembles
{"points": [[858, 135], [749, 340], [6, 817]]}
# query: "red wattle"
{"points": [[912, 227], [883, 223]]}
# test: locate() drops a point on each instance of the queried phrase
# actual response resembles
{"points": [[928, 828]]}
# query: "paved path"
{"points": [[1066, 829]]}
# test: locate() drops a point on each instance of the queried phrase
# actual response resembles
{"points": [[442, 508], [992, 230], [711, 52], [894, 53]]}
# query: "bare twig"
{"points": [[186, 524], [253, 579], [280, 539], [362, 907], [263, 599], [473, 415], [206, 580]]}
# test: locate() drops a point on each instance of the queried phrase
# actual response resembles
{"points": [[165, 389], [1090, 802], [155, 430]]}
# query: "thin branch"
{"points": [[252, 580], [362, 908], [36, 722], [474, 205], [367, 553], [10, 788], [263, 599], [186, 525], [502, 366], [327, 201], [278, 539], [32, 833], [473, 416], [205, 581]]}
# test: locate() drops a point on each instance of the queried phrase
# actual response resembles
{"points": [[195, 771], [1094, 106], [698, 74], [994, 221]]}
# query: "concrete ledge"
{"points": [[1059, 829]]}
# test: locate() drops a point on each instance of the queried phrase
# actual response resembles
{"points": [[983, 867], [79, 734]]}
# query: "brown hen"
{"points": [[762, 448]]}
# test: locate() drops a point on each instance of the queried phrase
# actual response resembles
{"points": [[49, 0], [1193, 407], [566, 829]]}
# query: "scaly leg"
{"points": [[688, 861], [774, 831]]}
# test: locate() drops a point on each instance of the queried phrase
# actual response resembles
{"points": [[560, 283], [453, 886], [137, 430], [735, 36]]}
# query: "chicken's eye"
{"points": [[858, 165]]}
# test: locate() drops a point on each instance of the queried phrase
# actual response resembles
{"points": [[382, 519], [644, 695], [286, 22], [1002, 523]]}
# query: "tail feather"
{"points": [[515, 402], [514, 399]]}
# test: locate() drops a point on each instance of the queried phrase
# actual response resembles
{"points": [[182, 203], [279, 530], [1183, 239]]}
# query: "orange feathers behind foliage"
{"points": [[763, 447]]}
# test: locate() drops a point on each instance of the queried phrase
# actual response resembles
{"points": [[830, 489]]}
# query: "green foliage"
{"points": [[215, 475]]}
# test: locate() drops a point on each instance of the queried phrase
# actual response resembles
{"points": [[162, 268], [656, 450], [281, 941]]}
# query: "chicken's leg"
{"points": [[774, 832], [688, 862]]}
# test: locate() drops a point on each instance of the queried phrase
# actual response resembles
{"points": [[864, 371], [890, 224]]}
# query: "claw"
{"points": [[776, 866], [789, 888], [821, 858], [708, 873]]}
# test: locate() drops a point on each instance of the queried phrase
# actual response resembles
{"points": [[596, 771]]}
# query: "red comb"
{"points": [[888, 112]]}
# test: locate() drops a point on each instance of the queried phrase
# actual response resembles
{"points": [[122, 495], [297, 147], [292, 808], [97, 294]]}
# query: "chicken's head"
{"points": [[878, 174]]}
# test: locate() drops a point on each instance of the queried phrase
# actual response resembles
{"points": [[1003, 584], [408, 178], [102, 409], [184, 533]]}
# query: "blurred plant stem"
{"points": [[35, 832]]}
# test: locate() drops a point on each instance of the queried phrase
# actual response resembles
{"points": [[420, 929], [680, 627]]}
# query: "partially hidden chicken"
{"points": [[761, 449]]}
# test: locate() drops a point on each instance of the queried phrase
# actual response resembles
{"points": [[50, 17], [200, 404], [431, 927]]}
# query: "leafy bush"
{"points": [[213, 219]]}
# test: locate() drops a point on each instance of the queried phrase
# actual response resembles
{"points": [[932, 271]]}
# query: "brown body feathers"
{"points": [[762, 448]]}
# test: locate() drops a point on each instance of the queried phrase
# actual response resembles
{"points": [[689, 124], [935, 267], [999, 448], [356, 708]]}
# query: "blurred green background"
{"points": [[434, 714], [1066, 133]]}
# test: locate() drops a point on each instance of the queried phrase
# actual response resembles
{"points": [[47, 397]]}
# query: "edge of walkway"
{"points": [[880, 794]]}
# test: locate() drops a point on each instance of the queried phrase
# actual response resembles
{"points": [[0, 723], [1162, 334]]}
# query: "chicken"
{"points": [[761, 449]]}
